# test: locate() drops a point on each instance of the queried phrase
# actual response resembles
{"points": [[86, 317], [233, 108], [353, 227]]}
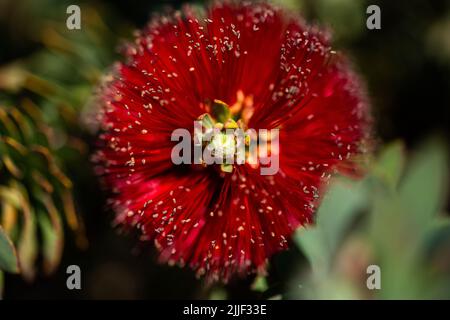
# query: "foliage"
{"points": [[392, 219], [41, 99]]}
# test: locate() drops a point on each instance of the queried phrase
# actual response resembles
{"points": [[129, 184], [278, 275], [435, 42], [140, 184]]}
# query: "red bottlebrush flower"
{"points": [[266, 70]]}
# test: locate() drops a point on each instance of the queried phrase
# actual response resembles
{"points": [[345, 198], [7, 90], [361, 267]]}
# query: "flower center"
{"points": [[223, 132], [223, 145]]}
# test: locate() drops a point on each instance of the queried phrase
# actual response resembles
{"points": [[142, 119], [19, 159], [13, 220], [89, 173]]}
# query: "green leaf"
{"points": [[311, 241], [52, 238], [11, 195], [8, 257], [27, 248], [343, 200], [260, 284], [438, 234], [401, 223], [424, 187], [27, 242], [390, 164]]}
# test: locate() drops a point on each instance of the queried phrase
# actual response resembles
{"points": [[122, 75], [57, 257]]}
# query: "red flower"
{"points": [[270, 71]]}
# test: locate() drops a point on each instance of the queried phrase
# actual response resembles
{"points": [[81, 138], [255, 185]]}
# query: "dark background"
{"points": [[405, 64]]}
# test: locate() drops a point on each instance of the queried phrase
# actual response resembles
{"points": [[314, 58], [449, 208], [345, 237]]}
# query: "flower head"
{"points": [[237, 65]]}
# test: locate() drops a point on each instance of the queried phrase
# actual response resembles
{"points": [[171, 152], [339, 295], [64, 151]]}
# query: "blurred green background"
{"points": [[396, 218]]}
